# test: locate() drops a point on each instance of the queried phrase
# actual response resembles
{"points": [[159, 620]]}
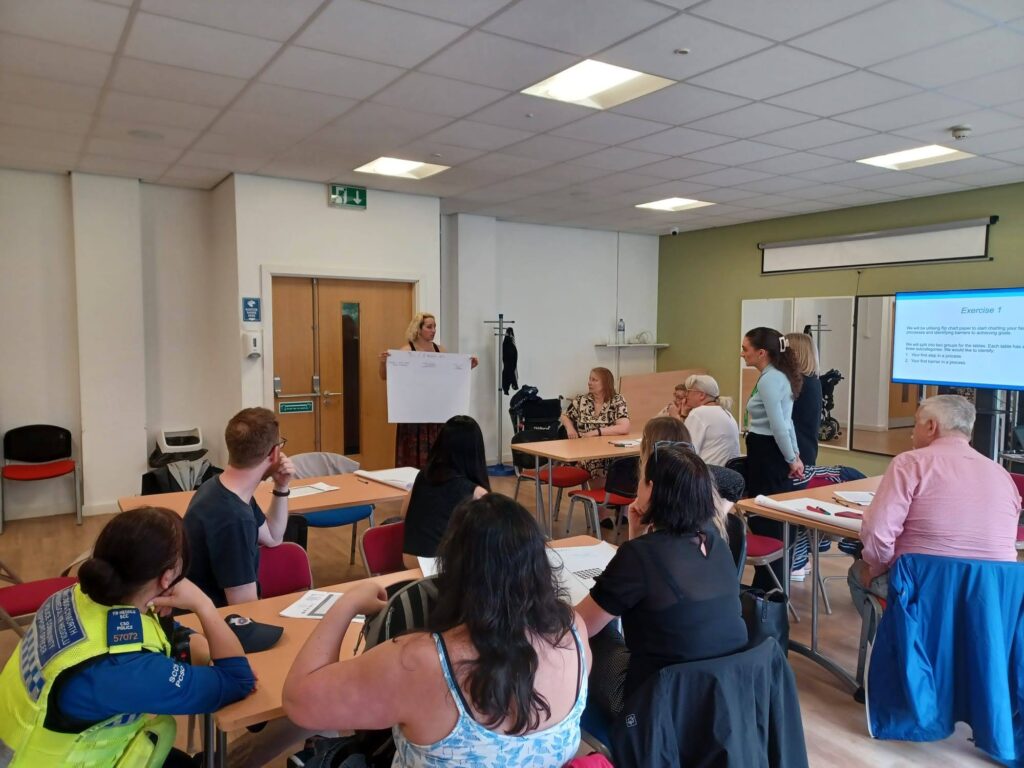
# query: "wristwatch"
{"points": [[285, 492]]}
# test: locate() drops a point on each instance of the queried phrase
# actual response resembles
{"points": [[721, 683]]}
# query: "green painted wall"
{"points": [[704, 275]]}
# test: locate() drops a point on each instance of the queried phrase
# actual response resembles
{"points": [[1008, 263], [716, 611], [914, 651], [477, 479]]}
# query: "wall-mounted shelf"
{"points": [[633, 346]]}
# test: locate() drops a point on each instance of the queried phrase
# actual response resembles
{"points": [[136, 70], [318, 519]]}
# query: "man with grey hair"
{"points": [[942, 498]]}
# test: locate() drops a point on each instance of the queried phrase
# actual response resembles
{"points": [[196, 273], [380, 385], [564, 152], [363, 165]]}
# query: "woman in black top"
{"points": [[674, 582], [455, 471], [807, 406]]}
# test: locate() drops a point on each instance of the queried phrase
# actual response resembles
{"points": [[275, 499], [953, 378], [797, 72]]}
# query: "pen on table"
{"points": [[364, 482], [819, 510]]}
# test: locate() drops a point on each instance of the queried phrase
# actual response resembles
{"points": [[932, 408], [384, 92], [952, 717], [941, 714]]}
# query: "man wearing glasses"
{"points": [[224, 524]]}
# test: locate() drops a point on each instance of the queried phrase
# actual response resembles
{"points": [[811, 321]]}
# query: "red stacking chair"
{"points": [[43, 452], [382, 548], [20, 601], [561, 478], [619, 491], [284, 569]]}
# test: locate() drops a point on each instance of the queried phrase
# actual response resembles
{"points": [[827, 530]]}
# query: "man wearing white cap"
{"points": [[715, 435]]}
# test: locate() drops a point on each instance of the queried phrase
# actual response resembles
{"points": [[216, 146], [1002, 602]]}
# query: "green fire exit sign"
{"points": [[339, 196]]}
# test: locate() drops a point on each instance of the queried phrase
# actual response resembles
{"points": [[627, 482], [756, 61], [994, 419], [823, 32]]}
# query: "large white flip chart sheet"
{"points": [[427, 387]]}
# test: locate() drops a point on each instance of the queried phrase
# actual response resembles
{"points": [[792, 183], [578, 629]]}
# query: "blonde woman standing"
{"points": [[413, 441], [807, 405]]}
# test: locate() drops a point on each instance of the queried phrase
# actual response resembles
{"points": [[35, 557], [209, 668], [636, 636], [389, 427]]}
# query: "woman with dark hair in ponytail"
{"points": [[96, 664], [501, 678], [773, 453]]}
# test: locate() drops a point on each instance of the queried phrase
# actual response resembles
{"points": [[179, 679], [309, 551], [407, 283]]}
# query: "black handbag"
{"points": [[766, 614]]}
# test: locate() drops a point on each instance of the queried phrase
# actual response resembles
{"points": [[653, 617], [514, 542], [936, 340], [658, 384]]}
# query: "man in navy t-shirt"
{"points": [[224, 524]]}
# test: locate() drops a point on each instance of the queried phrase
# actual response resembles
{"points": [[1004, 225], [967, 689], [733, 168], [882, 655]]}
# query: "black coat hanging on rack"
{"points": [[509, 361]]}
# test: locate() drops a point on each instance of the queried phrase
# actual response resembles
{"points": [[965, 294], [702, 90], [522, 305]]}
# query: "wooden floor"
{"points": [[890, 442], [833, 722]]}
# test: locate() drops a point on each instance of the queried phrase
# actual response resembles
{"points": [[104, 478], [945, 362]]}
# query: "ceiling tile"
{"points": [[776, 184], [619, 182], [995, 10], [552, 148], [995, 142], [884, 179], [270, 131], [738, 153], [27, 116], [1010, 175], [466, 12], [729, 177], [1016, 108], [911, 110], [466, 133], [864, 197], [188, 176], [794, 163], [146, 170], [498, 62], [780, 21], [609, 128], [868, 146], [127, 106], [329, 73], [924, 188], [687, 189], [751, 120], [118, 130], [243, 143], [811, 135], [37, 159], [435, 152], [680, 104], [531, 113], [147, 78], [840, 173], [506, 165], [236, 163], [377, 33], [678, 141], [180, 43], [979, 54], [990, 90], [39, 58], [619, 158], [962, 167], [581, 27], [1015, 156], [844, 93], [305, 162], [277, 100], [764, 201], [74, 22], [710, 45], [982, 123], [47, 94], [804, 206], [271, 19], [677, 168], [33, 138], [570, 173], [890, 30], [132, 150], [437, 95], [820, 192], [513, 189], [770, 73], [383, 124]]}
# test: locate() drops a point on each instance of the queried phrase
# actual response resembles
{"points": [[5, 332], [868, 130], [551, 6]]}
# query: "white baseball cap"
{"points": [[702, 383]]}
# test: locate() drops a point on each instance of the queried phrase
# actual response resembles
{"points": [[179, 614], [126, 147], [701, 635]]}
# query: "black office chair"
{"points": [[737, 532], [730, 483]]}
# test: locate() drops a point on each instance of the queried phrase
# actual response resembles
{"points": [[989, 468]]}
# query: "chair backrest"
{"points": [[729, 482], [623, 476], [739, 464], [37, 443], [818, 481], [737, 531], [284, 569], [382, 548], [542, 414], [321, 463], [1018, 480]]}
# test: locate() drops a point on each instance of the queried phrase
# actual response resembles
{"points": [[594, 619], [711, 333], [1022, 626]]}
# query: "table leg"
{"points": [[222, 749], [209, 742], [549, 515], [785, 558], [815, 536], [538, 499]]}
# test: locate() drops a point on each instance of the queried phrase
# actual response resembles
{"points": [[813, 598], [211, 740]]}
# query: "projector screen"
{"points": [[960, 338]]}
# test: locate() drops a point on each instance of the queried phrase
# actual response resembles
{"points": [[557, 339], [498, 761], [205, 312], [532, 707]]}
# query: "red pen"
{"points": [[819, 510]]}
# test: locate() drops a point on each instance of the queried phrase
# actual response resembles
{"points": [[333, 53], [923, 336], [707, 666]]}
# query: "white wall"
{"points": [[874, 353], [111, 345], [286, 226], [38, 324]]}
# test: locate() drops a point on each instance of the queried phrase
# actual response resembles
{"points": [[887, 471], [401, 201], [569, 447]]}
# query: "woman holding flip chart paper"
{"points": [[413, 441]]}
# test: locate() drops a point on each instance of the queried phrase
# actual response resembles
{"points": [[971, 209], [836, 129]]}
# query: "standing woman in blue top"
{"points": [[773, 454]]}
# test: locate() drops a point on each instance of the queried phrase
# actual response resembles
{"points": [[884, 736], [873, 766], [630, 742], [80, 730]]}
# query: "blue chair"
{"points": [[322, 463]]}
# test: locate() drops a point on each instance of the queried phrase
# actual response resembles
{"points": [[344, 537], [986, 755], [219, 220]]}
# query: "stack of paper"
{"points": [[312, 490], [578, 567], [399, 477], [813, 509], [314, 605]]}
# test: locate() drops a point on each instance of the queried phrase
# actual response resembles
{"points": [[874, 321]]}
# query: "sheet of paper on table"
{"points": [[312, 490], [862, 498], [428, 565], [836, 514], [426, 387], [625, 443], [399, 477], [578, 567], [314, 605]]}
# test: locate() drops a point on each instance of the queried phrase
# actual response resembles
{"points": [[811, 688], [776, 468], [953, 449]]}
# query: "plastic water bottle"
{"points": [[620, 332]]}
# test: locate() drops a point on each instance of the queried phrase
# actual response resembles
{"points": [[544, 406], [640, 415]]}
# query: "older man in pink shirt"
{"points": [[942, 498]]}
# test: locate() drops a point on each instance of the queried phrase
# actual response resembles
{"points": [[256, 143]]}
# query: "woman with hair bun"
{"points": [[773, 453], [96, 663]]}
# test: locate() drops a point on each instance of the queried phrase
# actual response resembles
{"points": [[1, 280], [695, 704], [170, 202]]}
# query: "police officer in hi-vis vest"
{"points": [[93, 680]]}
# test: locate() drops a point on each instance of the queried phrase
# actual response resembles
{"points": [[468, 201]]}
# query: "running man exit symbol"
{"points": [[339, 196]]}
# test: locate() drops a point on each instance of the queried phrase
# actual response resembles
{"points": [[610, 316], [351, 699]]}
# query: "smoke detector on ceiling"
{"points": [[960, 131]]}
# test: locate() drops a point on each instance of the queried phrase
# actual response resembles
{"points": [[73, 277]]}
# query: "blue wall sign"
{"points": [[250, 309]]}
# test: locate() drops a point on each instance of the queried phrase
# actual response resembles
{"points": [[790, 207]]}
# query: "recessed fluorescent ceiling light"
{"points": [[596, 84], [916, 158], [674, 204], [403, 169]]}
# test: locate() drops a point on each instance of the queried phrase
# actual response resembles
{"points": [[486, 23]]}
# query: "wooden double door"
{"points": [[328, 335]]}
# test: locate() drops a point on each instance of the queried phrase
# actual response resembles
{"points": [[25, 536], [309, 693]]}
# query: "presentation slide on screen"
{"points": [[960, 338]]}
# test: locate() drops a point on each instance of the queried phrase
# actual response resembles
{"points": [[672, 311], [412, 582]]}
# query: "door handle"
{"points": [[330, 394]]}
